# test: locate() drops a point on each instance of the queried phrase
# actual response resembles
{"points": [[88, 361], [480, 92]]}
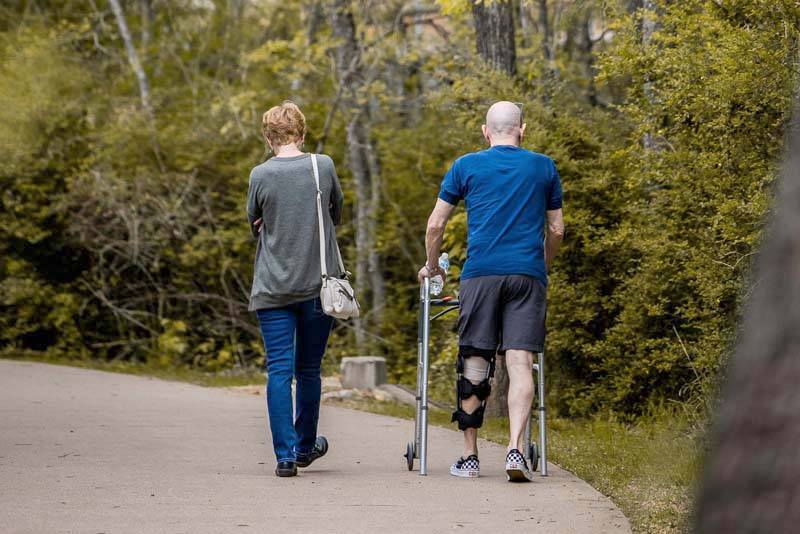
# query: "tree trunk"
{"points": [[360, 170], [494, 32], [648, 29], [141, 78], [587, 50], [146, 13], [315, 19], [376, 281], [551, 74], [133, 57], [544, 22], [752, 476], [526, 23], [494, 35], [236, 12], [363, 166], [344, 29]]}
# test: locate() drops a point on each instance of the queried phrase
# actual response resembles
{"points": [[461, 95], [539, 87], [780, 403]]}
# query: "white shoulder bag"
{"points": [[337, 296]]}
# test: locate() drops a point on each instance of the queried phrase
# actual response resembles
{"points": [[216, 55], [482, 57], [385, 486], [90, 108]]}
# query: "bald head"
{"points": [[503, 122]]}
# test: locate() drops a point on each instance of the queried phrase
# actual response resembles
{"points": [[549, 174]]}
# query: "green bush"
{"points": [[123, 235]]}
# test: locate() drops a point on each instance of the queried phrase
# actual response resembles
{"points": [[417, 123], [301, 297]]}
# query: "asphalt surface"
{"points": [[91, 452]]}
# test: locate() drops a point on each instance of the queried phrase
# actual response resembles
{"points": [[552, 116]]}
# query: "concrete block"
{"points": [[363, 372]]}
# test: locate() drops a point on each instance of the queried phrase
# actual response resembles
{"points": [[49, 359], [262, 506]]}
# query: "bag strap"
{"points": [[323, 262]]}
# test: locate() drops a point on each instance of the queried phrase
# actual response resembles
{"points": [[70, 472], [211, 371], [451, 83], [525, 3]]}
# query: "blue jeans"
{"points": [[294, 339]]}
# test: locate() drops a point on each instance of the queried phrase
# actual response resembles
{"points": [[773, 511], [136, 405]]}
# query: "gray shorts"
{"points": [[501, 312]]}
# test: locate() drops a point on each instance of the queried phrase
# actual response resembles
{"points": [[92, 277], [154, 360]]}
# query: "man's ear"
{"points": [[485, 132], [522, 131]]}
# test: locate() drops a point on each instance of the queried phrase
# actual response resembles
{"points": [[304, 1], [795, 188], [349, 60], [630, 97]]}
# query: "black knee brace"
{"points": [[469, 420], [466, 389]]}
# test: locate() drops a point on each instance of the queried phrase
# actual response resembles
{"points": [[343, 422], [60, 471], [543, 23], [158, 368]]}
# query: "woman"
{"points": [[282, 210]]}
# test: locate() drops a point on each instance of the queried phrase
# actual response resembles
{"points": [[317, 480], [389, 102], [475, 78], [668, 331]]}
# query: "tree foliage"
{"points": [[123, 236]]}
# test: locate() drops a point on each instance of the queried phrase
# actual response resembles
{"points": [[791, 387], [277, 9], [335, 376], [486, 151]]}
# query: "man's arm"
{"points": [[433, 239], [554, 235]]}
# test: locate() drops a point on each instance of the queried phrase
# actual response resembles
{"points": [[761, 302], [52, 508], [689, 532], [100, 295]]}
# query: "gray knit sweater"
{"points": [[282, 192]]}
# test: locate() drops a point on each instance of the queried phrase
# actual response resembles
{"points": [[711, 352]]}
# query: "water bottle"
{"points": [[437, 283]]}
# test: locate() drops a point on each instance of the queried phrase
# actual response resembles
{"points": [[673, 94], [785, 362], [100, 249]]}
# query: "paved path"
{"points": [[92, 452]]}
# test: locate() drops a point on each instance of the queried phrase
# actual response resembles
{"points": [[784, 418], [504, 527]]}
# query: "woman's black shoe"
{"points": [[319, 450], [286, 469]]}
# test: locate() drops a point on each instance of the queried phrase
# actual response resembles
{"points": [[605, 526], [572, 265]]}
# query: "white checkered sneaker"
{"points": [[468, 467], [517, 468]]}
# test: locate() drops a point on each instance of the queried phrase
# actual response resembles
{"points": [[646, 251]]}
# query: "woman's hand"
{"points": [[259, 223]]}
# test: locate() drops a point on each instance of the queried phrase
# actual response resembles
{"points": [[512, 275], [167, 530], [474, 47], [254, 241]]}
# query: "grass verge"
{"points": [[648, 469]]}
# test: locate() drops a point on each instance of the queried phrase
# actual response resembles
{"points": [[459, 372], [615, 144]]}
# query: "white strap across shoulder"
{"points": [[323, 262]]}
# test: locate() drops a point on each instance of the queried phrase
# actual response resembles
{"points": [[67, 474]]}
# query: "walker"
{"points": [[418, 447]]}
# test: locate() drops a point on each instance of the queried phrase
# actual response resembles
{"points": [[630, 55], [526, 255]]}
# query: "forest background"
{"points": [[128, 129]]}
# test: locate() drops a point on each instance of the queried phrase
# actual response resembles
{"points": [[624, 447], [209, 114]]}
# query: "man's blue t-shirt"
{"points": [[506, 190]]}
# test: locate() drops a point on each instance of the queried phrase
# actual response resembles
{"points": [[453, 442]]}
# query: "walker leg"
{"points": [[530, 451], [542, 417], [426, 308], [418, 396], [527, 435]]}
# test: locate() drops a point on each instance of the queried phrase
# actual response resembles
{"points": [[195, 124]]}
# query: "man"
{"points": [[513, 201]]}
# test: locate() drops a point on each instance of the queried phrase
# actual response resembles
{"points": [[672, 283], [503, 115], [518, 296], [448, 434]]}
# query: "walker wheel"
{"points": [[410, 455], [533, 455]]}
